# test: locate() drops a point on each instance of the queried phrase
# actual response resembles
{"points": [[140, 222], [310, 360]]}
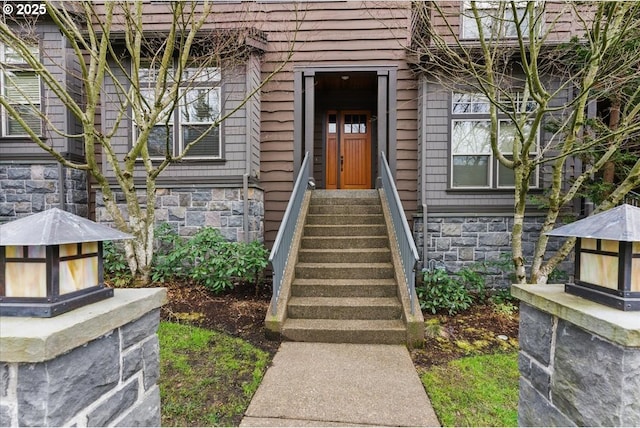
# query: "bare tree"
{"points": [[516, 55], [144, 74]]}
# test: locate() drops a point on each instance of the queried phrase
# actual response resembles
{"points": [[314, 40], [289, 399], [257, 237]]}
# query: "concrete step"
{"points": [[385, 287], [342, 242], [333, 219], [345, 308], [387, 332], [345, 209], [346, 194], [344, 270], [353, 255], [344, 230], [344, 201]]}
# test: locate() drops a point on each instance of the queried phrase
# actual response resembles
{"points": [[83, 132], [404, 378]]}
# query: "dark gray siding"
{"points": [[253, 114], [234, 136], [52, 51], [435, 141]]}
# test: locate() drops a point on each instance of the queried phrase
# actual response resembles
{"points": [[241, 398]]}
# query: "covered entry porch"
{"points": [[345, 116]]}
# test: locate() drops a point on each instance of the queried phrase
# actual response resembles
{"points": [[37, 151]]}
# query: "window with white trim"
{"points": [[496, 19], [198, 109], [20, 86], [473, 165]]}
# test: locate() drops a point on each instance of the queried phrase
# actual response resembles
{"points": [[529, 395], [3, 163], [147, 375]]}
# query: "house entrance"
{"points": [[348, 149], [344, 117]]}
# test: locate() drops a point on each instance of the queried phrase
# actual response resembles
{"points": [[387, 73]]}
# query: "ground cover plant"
{"points": [[207, 378], [484, 390]]}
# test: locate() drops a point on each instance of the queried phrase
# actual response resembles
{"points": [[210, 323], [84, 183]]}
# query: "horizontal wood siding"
{"points": [[234, 132], [75, 88], [332, 34], [253, 113], [439, 195], [561, 20]]}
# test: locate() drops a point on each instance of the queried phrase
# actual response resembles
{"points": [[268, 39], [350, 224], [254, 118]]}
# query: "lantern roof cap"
{"points": [[621, 223], [54, 227]]}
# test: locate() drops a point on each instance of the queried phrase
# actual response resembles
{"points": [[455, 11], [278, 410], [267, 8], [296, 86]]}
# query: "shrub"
{"points": [[116, 268], [440, 292], [474, 281], [207, 258]]}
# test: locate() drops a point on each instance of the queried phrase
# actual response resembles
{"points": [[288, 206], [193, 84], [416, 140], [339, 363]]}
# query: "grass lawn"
{"points": [[206, 378], [475, 391]]}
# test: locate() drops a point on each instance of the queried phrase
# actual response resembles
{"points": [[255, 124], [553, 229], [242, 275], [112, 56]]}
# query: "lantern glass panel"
{"points": [[68, 250], [588, 244], [37, 251], [636, 248], [635, 275], [14, 251], [78, 274], [89, 247], [610, 246], [599, 269], [25, 279]]}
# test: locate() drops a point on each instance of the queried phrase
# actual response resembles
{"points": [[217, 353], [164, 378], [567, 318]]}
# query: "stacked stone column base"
{"points": [[94, 366], [579, 361]]}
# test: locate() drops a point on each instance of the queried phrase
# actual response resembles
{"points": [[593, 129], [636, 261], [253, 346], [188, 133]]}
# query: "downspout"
{"points": [[423, 171]]}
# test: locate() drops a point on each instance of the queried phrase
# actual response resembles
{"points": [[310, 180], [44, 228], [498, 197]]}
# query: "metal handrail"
{"points": [[404, 237], [282, 245]]}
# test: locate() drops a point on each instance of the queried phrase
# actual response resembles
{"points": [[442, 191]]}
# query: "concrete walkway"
{"points": [[326, 384]]}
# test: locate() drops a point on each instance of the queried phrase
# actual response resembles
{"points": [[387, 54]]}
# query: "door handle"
{"points": [[341, 163]]}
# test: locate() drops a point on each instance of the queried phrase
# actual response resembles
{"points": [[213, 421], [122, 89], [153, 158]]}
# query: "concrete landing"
{"points": [[335, 384]]}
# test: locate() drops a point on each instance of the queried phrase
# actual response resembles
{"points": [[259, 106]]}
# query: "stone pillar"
{"points": [[579, 361], [94, 366]]}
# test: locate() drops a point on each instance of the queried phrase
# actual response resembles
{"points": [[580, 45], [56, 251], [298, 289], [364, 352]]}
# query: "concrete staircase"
{"points": [[344, 288]]}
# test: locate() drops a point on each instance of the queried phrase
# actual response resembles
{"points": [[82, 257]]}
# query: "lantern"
{"points": [[51, 263], [607, 262]]}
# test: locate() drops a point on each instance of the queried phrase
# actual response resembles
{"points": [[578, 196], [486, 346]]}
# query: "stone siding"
{"points": [[455, 242], [28, 189], [190, 209], [572, 377], [111, 381]]}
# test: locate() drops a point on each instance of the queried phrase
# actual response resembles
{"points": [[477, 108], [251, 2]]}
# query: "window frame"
{"points": [[493, 164], [466, 14], [176, 123], [181, 123], [20, 67]]}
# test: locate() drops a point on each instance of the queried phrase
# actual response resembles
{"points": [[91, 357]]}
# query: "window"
{"points": [[198, 108], [496, 19], [20, 86], [472, 162]]}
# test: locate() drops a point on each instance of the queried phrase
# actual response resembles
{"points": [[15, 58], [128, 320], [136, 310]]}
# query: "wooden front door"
{"points": [[348, 157]]}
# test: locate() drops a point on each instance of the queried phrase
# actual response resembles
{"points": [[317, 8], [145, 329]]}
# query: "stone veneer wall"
{"points": [[28, 189], [456, 242], [109, 381], [579, 361], [189, 209]]}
